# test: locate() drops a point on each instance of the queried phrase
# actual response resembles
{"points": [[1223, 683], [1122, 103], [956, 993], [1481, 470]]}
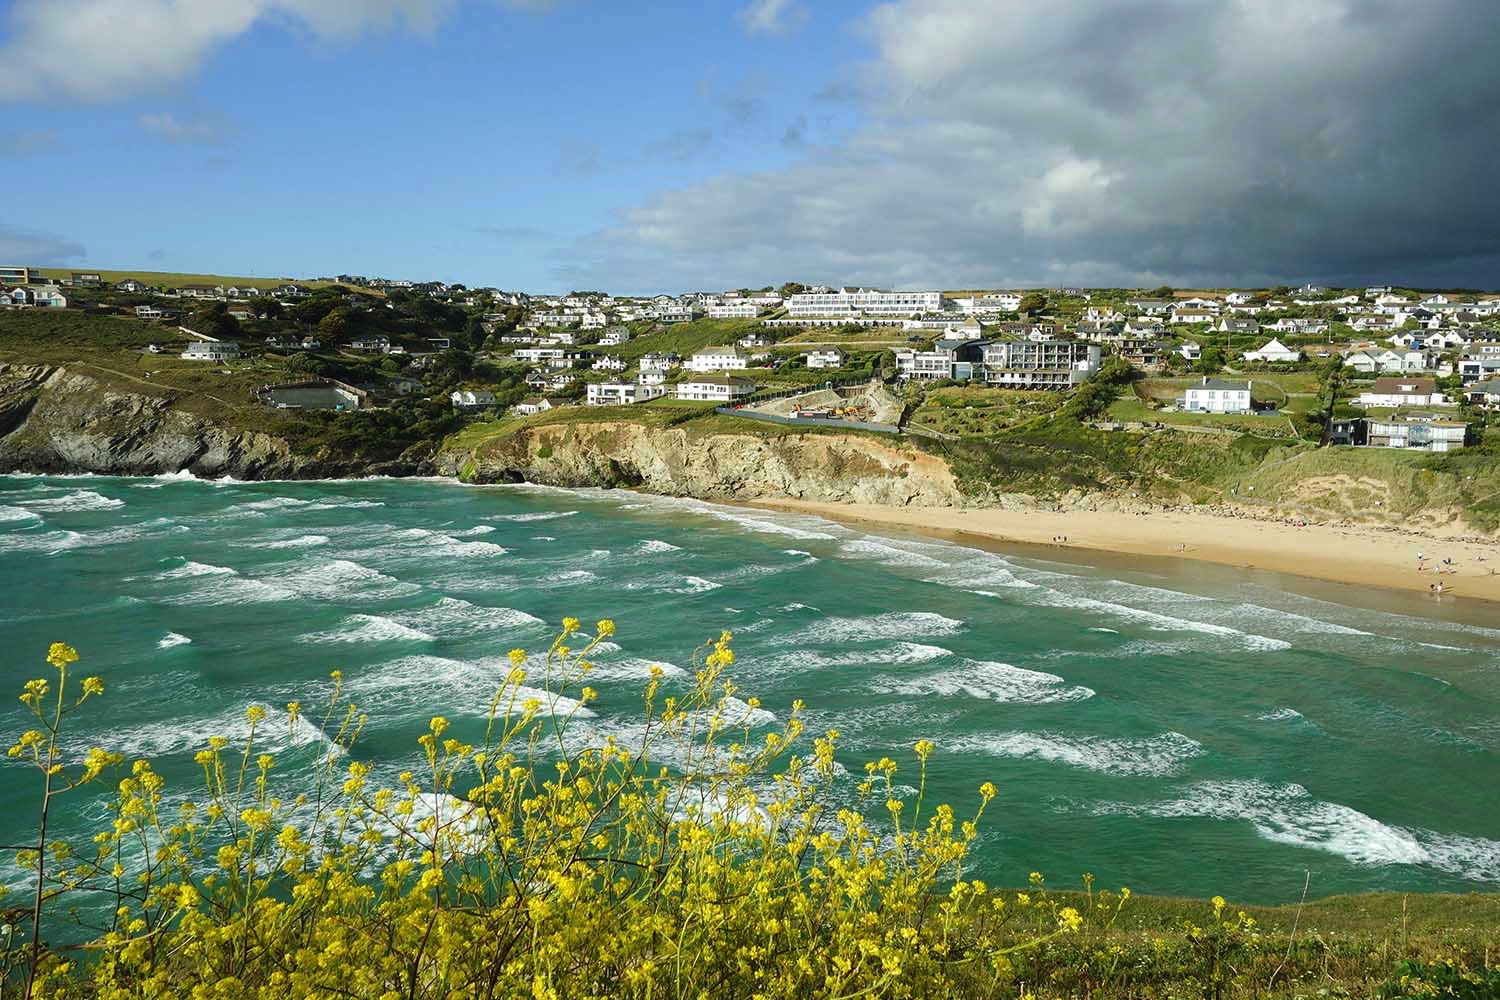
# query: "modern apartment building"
{"points": [[1039, 364], [862, 301]]}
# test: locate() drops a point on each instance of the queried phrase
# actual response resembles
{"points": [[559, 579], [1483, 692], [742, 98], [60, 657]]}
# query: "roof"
{"points": [[1490, 387], [1222, 384], [730, 380], [1393, 386]]}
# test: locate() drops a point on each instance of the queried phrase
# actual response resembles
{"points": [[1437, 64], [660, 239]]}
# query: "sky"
{"points": [[552, 145]]}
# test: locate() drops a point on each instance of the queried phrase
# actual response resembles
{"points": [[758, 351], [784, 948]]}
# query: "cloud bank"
{"points": [[96, 50], [1109, 142]]}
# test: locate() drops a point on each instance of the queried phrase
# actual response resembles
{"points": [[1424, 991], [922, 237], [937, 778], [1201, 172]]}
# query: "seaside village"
{"points": [[1415, 370]]}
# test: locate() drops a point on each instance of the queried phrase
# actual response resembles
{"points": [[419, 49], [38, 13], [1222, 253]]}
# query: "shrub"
{"points": [[525, 858]]}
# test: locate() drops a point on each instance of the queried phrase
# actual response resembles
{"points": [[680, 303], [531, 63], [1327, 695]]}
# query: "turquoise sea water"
{"points": [[1175, 730]]}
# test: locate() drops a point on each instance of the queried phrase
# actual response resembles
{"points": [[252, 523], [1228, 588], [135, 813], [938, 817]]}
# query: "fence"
{"points": [[860, 425]]}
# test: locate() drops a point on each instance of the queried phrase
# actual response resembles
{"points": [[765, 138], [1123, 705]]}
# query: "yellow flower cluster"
{"points": [[529, 858]]}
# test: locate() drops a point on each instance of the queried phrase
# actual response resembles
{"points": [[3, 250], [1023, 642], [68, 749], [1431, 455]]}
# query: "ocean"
{"points": [[1182, 730]]}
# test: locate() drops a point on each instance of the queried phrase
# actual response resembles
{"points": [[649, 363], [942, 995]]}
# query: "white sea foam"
{"points": [[451, 618], [1154, 757], [550, 515], [892, 625], [399, 685], [79, 500], [1281, 715], [480, 529], [899, 653], [1287, 814], [9, 514], [1159, 622], [341, 578], [178, 735], [988, 680], [172, 639], [369, 628], [189, 569], [652, 546], [633, 669], [694, 585], [299, 542]]}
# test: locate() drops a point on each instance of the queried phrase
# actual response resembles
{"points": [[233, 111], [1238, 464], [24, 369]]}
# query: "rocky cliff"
{"points": [[711, 466], [58, 421]]}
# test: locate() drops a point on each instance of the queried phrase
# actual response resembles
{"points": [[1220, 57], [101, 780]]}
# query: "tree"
{"points": [[1160, 292], [213, 320], [266, 307], [305, 364], [1211, 360], [1033, 302], [792, 288], [335, 324]]}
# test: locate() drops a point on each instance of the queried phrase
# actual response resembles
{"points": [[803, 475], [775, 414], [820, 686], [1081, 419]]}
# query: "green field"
{"points": [[171, 279]]}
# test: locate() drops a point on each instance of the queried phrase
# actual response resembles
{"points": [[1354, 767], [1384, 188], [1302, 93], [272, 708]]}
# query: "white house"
{"points": [[754, 340], [715, 388], [1214, 395], [533, 405], [862, 301], [717, 359], [621, 393], [610, 363], [1181, 317], [1402, 392], [1274, 350], [471, 398], [211, 350], [153, 312], [614, 336], [1486, 393], [651, 378], [1239, 298], [1190, 351], [828, 357], [657, 362]]}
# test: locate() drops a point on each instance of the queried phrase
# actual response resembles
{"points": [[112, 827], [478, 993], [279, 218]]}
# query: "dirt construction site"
{"points": [[870, 403]]}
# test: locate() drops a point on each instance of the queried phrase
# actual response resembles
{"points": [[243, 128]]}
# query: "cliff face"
{"points": [[53, 420], [713, 466]]}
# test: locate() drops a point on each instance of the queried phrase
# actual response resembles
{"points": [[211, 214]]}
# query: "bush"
{"points": [[528, 858]]}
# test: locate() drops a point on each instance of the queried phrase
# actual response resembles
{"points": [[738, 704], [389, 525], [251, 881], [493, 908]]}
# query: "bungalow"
{"points": [[1181, 317], [216, 351], [378, 343], [1230, 324], [1144, 328], [828, 357], [677, 313], [1476, 368], [1208, 305], [1402, 392], [1486, 393], [754, 340], [199, 292], [651, 378], [1239, 298], [1377, 323], [621, 393], [47, 297], [85, 280], [1372, 360], [1151, 307], [1274, 350], [290, 291], [240, 313], [1214, 395], [715, 388], [717, 359], [242, 292], [614, 336], [468, 399], [1190, 351], [403, 385], [132, 286]]}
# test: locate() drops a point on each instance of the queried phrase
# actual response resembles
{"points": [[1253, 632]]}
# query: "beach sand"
{"points": [[1362, 556]]}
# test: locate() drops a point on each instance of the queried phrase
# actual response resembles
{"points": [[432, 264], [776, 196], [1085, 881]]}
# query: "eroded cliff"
{"points": [[713, 465]]}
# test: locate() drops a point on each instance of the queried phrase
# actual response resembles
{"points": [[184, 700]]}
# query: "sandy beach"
{"points": [[1363, 556]]}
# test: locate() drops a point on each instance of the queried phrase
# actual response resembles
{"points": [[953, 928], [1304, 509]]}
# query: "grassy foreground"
{"points": [[704, 856]]}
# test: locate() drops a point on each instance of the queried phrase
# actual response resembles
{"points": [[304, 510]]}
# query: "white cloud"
{"points": [[196, 128], [766, 16], [97, 50], [1117, 142]]}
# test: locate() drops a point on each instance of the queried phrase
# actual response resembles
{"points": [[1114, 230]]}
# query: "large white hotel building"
{"points": [[862, 301]]}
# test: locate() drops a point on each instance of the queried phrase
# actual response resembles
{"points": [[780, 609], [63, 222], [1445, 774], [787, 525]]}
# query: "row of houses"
{"points": [[1049, 364]]}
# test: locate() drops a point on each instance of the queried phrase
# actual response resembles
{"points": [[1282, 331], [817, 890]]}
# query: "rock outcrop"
{"points": [[679, 461], [53, 420]]}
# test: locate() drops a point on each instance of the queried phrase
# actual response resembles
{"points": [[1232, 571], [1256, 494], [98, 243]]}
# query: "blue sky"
{"points": [[639, 147], [481, 148]]}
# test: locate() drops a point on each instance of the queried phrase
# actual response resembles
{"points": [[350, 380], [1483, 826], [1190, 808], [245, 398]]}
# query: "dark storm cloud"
{"points": [[1122, 142]]}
